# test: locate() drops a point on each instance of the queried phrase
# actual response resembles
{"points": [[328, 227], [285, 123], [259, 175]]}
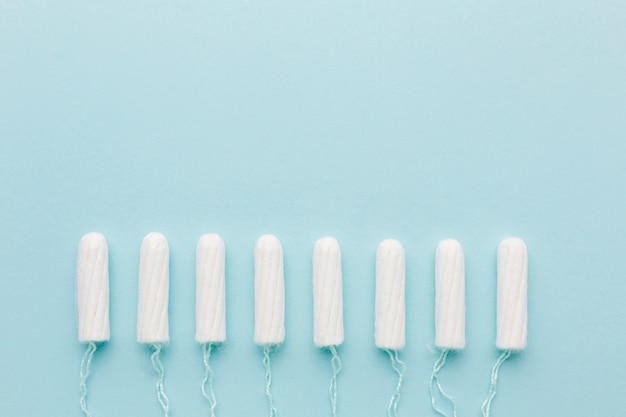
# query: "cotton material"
{"points": [[154, 276], [390, 297], [210, 290], [449, 295], [512, 295], [327, 294], [92, 289], [269, 292]]}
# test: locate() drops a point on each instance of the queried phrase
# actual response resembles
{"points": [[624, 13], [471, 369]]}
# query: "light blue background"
{"points": [[418, 120]]}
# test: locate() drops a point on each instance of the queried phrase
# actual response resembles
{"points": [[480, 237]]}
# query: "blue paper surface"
{"points": [[417, 120]]}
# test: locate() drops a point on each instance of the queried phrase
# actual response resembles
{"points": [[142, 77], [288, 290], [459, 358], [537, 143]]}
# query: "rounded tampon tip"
{"points": [[390, 296], [210, 241], [92, 241], [154, 241], [92, 288], [449, 246], [327, 244], [267, 242], [327, 293], [390, 247], [514, 245], [449, 295], [512, 308]]}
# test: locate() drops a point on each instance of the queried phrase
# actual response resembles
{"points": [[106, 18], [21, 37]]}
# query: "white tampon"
{"points": [[390, 298], [154, 276], [92, 289], [450, 295], [210, 290], [512, 295], [269, 292], [327, 293]]}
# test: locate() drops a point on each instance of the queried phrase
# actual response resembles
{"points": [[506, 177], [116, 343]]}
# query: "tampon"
{"points": [[390, 298], [92, 289], [512, 295], [269, 292], [450, 295], [210, 290], [327, 293], [152, 309]]}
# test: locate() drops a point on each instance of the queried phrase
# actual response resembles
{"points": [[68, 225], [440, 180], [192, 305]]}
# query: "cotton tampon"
{"points": [[512, 309], [92, 289], [152, 310], [328, 306], [390, 299], [450, 296], [92, 298], [390, 307], [269, 305], [449, 312], [269, 292], [210, 305], [327, 293], [512, 295], [210, 290]]}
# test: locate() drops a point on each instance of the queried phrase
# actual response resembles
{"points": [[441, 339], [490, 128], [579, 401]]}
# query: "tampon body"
{"points": [[450, 295], [92, 289], [269, 292], [327, 293], [210, 290], [512, 295], [390, 298], [154, 276]]}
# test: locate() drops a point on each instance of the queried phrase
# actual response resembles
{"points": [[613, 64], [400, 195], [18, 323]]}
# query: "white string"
{"points": [[434, 381], [158, 366], [486, 408], [85, 369], [335, 363], [208, 377], [400, 368], [267, 351]]}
